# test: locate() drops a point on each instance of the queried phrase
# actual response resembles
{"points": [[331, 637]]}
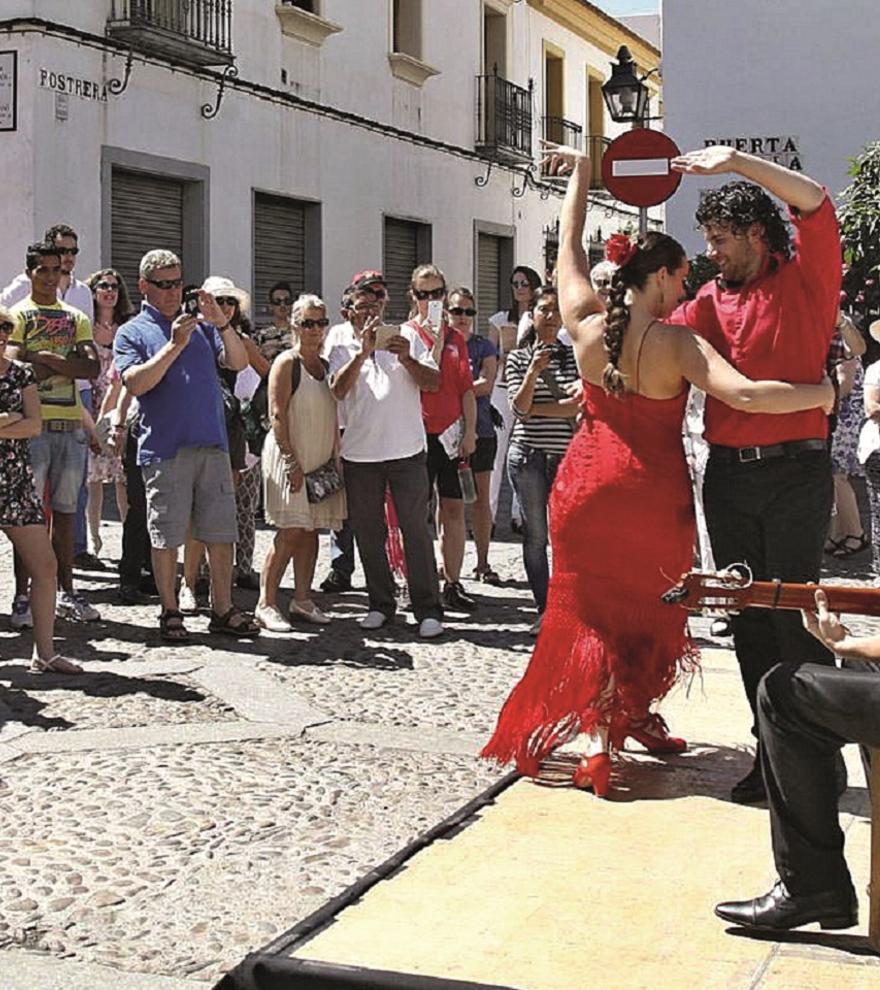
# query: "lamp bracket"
{"points": [[210, 112]]}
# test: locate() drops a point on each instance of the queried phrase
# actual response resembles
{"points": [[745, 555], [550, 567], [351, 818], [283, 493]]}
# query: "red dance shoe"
{"points": [[653, 733], [593, 772]]}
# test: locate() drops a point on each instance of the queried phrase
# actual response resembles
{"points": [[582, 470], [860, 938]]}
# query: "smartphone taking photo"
{"points": [[191, 303], [435, 313]]}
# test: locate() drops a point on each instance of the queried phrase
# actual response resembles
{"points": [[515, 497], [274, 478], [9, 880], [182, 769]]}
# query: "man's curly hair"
{"points": [[737, 205]]}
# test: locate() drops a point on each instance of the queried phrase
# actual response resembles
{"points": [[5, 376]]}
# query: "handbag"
{"points": [[324, 481]]}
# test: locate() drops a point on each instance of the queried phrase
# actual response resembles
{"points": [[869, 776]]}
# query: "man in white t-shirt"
{"points": [[379, 391]]}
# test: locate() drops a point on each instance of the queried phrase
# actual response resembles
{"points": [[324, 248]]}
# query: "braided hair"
{"points": [[654, 251]]}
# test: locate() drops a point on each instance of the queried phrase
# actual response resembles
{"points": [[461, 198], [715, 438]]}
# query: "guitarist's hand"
{"points": [[824, 625]]}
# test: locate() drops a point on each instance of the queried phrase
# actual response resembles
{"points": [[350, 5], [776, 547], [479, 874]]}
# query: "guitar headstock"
{"points": [[724, 591]]}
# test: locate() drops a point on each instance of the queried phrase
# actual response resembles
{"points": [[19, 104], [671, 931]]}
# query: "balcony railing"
{"points": [[504, 119], [198, 32], [562, 131], [596, 144]]}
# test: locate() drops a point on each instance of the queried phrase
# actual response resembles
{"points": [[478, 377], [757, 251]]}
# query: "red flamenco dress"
{"points": [[622, 530]]}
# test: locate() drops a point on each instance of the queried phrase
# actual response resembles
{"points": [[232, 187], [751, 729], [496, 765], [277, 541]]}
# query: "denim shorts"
{"points": [[192, 490], [59, 459]]}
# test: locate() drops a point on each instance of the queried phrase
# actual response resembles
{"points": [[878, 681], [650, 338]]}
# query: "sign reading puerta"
{"points": [[636, 169]]}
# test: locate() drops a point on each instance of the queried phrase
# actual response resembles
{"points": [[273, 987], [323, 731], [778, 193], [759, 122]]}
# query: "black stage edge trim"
{"points": [[262, 972], [271, 967]]}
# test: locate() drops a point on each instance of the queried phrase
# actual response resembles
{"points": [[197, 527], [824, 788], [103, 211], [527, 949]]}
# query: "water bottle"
{"points": [[466, 482]]}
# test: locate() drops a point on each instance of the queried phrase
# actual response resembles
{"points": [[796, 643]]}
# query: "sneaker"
{"points": [[430, 628], [73, 605], [373, 620], [456, 598], [335, 582], [535, 627], [21, 617], [269, 617], [186, 601]]}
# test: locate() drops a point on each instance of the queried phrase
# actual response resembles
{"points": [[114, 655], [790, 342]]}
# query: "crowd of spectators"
{"points": [[380, 435]]}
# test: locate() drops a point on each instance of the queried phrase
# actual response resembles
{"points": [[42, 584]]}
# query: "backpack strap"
{"points": [[295, 374]]}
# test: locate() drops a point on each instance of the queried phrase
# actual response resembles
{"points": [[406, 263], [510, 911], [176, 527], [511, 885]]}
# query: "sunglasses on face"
{"points": [[165, 283], [109, 286], [6, 327], [226, 300], [422, 294], [520, 285], [461, 311], [310, 324], [283, 301], [71, 251]]}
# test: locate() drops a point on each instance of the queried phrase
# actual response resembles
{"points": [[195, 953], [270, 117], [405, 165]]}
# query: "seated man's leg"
{"points": [[408, 477], [807, 713]]}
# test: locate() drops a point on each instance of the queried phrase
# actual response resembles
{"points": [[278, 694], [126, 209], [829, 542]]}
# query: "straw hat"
{"points": [[219, 285], [874, 330]]}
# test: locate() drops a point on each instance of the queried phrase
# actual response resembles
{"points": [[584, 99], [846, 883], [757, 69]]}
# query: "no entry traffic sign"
{"points": [[636, 170]]}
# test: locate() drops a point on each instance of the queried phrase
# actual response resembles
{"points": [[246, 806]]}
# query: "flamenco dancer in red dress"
{"points": [[621, 512]]}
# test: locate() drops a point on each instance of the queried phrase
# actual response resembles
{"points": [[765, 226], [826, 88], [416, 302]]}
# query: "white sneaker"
{"points": [[430, 627], [21, 617], [535, 627], [186, 601], [373, 620], [308, 611], [73, 605], [269, 617]]}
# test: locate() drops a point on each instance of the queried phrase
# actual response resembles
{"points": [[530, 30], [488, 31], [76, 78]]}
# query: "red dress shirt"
{"points": [[779, 325]]}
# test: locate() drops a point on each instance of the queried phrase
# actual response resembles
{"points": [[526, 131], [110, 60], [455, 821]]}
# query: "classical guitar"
{"points": [[734, 589]]}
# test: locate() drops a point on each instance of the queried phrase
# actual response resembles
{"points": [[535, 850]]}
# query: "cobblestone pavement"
{"points": [[176, 807]]}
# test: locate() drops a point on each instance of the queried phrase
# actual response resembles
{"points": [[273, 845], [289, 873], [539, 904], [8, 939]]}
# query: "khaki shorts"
{"points": [[190, 492]]}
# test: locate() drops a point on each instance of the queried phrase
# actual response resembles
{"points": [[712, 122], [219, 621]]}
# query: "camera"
{"points": [[191, 303]]}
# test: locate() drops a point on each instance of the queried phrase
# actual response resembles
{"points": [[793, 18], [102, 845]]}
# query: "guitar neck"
{"points": [[768, 594]]}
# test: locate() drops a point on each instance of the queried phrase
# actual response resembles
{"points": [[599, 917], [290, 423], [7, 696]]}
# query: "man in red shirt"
{"points": [[771, 313]]}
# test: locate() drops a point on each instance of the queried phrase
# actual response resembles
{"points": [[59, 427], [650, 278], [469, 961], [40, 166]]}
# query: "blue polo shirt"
{"points": [[186, 408]]}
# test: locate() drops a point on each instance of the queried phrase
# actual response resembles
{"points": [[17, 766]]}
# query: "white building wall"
{"points": [[801, 68], [52, 167]]}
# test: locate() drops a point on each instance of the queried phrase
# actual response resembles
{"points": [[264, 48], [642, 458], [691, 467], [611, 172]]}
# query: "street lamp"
{"points": [[626, 95]]}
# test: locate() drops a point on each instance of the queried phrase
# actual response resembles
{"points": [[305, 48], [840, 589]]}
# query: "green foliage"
{"points": [[859, 216], [702, 271]]}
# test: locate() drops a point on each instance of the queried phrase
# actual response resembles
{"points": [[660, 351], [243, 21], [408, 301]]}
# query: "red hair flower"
{"points": [[619, 249]]}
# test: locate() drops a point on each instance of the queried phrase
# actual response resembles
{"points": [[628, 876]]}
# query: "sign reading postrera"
{"points": [[636, 167]]}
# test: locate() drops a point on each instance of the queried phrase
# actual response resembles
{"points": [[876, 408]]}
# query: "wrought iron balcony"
{"points": [[504, 119], [562, 131], [198, 32], [595, 148]]}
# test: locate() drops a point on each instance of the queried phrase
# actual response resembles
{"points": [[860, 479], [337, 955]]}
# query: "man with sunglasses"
{"points": [[379, 391], [56, 339], [167, 359]]}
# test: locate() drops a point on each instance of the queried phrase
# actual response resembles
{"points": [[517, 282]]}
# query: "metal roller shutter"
{"points": [[146, 213], [401, 256], [279, 247], [489, 290]]}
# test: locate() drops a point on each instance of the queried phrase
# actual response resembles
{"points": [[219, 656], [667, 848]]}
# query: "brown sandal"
{"points": [[171, 627], [227, 625], [55, 665]]}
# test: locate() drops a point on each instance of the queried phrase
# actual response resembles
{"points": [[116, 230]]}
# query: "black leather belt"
{"points": [[746, 455]]}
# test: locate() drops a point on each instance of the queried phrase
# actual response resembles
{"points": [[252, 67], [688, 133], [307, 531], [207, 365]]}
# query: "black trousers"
{"points": [[806, 713], [772, 515], [135, 537]]}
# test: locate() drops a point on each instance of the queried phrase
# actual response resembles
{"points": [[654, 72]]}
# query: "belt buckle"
{"points": [[746, 455]]}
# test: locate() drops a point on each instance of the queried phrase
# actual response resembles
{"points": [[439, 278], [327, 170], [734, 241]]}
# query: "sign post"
{"points": [[636, 170]]}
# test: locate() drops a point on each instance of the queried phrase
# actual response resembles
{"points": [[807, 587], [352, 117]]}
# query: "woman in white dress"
{"points": [[303, 438]]}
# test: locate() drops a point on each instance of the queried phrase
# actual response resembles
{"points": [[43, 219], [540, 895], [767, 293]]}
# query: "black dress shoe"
{"points": [[778, 910], [129, 594], [88, 562], [248, 581], [750, 790], [335, 583], [456, 598]]}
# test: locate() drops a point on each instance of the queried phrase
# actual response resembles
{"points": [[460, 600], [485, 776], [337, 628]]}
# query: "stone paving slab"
{"points": [[23, 970]]}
